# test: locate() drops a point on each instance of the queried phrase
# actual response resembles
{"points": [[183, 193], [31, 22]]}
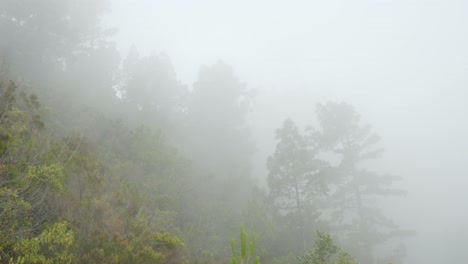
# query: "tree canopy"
{"points": [[104, 160]]}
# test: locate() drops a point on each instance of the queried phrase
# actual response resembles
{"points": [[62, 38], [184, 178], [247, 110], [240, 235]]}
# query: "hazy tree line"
{"points": [[106, 159]]}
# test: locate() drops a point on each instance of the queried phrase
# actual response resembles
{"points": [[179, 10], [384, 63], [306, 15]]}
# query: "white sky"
{"points": [[403, 64]]}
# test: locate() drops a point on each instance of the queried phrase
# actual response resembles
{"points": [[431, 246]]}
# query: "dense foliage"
{"points": [[102, 162]]}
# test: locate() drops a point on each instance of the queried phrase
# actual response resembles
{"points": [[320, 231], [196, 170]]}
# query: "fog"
{"points": [[401, 64]]}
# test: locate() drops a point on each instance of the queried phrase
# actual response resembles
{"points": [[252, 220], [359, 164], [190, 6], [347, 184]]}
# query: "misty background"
{"points": [[402, 64], [149, 131]]}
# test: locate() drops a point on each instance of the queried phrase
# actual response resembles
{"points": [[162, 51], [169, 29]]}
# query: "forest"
{"points": [[110, 158]]}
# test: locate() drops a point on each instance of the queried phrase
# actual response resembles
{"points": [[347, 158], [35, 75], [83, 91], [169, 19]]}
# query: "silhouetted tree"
{"points": [[150, 87], [296, 181], [354, 212], [217, 113]]}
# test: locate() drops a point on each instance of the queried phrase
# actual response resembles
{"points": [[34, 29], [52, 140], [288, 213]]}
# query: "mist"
{"points": [[402, 64], [187, 99]]}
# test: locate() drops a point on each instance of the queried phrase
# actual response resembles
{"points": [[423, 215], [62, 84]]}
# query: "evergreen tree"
{"points": [[219, 136], [296, 181], [353, 200], [150, 89], [317, 177]]}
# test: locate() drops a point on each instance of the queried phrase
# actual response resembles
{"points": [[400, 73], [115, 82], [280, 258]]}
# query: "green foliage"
{"points": [[246, 250], [53, 246], [326, 252], [42, 181], [46, 177], [257, 216], [345, 258], [29, 183], [103, 185], [14, 220], [139, 244], [7, 97]]}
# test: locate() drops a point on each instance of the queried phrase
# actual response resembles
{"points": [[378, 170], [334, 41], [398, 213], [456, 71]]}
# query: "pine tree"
{"points": [[355, 190], [296, 181]]}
